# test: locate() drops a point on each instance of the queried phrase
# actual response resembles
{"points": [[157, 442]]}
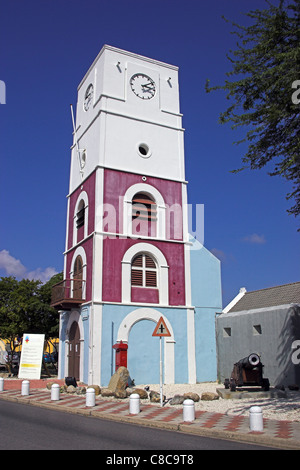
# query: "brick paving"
{"points": [[283, 434]]}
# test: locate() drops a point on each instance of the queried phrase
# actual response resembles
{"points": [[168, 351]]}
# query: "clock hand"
{"points": [[148, 86]]}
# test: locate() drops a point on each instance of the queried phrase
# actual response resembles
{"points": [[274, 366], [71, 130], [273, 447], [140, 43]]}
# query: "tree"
{"points": [[266, 66], [25, 308]]}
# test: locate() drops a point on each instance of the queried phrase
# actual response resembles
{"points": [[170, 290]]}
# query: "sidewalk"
{"points": [[278, 434]]}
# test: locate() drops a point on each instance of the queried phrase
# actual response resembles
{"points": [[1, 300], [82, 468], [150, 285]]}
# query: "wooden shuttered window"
{"points": [[80, 215], [143, 207], [143, 271]]}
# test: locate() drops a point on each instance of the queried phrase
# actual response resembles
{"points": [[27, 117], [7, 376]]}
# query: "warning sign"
{"points": [[161, 328]]}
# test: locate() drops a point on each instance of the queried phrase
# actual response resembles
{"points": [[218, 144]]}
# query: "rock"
{"points": [[209, 396], [119, 380], [155, 397], [81, 390], [71, 389], [106, 392], [142, 393], [120, 394], [191, 396], [177, 400], [96, 388], [49, 384]]}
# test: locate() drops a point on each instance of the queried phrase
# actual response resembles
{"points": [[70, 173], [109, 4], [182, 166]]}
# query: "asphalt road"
{"points": [[27, 427]]}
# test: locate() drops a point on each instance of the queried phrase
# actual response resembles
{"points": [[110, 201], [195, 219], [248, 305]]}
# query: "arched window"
{"points": [[145, 275], [144, 215], [77, 278], [144, 211], [80, 218], [143, 271], [80, 215]]}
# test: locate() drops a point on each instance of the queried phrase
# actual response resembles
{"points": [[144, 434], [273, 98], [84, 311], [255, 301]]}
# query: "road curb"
{"points": [[187, 428]]}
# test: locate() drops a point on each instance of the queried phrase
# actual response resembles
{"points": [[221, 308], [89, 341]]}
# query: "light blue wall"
{"points": [[143, 349], [207, 299]]}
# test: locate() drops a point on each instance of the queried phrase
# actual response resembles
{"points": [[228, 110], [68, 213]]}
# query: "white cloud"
{"points": [[255, 239], [14, 267], [11, 265], [42, 275]]}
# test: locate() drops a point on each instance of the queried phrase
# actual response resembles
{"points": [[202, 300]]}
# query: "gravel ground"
{"points": [[273, 408]]}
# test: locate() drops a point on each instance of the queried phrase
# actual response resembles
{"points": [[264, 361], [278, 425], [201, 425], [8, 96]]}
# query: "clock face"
{"points": [[88, 97], [142, 86]]}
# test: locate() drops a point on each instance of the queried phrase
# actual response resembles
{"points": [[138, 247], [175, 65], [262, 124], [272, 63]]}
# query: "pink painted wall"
{"points": [[116, 184], [89, 187], [113, 252], [144, 295]]}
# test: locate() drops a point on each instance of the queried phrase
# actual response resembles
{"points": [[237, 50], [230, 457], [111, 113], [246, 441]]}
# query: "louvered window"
{"points": [[143, 207], [80, 215], [143, 271]]}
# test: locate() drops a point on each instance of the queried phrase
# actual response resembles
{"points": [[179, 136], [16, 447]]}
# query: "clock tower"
{"points": [[128, 258]]}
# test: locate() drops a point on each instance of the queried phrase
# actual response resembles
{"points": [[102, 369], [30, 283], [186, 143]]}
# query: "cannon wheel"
{"points": [[266, 385], [226, 383], [232, 385]]}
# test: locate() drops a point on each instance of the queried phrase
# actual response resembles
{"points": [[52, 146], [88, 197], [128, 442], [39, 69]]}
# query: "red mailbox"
{"points": [[121, 354]]}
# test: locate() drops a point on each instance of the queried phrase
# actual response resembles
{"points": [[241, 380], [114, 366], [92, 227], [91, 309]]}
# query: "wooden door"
{"points": [[74, 351]]}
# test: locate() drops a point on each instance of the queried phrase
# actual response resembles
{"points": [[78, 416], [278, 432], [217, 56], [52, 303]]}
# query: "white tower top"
{"points": [[128, 118]]}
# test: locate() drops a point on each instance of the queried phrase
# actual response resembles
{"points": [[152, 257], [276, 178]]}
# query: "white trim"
{"points": [[162, 271], [235, 300], [191, 346], [169, 343], [82, 197], [160, 208], [95, 361]]}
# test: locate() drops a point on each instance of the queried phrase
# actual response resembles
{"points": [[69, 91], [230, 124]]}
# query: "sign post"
{"points": [[31, 356], [161, 330]]}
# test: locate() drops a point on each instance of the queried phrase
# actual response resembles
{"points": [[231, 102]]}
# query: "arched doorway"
{"points": [[143, 329], [143, 353], [74, 351]]}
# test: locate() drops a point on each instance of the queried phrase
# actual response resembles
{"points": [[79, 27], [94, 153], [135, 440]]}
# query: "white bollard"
{"points": [[256, 419], [134, 404], [90, 397], [1, 384], [25, 387], [55, 392], [188, 410]]}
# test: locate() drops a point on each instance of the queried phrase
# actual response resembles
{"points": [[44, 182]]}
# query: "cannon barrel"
{"points": [[250, 361]]}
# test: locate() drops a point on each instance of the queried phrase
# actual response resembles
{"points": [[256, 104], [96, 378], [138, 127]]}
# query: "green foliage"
{"points": [[25, 308], [265, 65]]}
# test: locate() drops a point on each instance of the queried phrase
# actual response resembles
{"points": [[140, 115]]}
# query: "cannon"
{"points": [[247, 372]]}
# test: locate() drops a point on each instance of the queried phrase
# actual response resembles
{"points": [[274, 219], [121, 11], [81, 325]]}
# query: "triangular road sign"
{"points": [[161, 328]]}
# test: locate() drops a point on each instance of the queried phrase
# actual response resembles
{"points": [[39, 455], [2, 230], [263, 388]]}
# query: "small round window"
{"points": [[144, 150]]}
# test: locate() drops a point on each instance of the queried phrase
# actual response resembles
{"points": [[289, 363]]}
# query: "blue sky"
{"points": [[46, 48]]}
